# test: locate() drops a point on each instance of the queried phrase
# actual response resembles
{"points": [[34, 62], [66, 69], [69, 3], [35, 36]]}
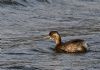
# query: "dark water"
{"points": [[25, 23]]}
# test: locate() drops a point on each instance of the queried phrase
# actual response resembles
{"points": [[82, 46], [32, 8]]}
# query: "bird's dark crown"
{"points": [[52, 33]]}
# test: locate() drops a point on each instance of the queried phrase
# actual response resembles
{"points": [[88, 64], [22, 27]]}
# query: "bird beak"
{"points": [[47, 37], [50, 38]]}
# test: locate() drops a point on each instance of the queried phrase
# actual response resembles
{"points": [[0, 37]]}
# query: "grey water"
{"points": [[25, 23]]}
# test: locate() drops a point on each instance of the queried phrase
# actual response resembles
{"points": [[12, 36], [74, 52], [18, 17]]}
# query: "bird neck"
{"points": [[58, 41]]}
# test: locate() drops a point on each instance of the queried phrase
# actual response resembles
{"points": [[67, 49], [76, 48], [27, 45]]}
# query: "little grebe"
{"points": [[72, 46]]}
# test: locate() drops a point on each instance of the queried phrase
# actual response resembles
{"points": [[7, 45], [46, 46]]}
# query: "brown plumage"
{"points": [[72, 46]]}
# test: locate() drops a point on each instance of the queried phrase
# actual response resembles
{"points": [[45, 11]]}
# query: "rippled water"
{"points": [[25, 23]]}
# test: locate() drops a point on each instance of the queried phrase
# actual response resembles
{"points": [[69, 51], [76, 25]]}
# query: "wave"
{"points": [[33, 2], [12, 2], [21, 2]]}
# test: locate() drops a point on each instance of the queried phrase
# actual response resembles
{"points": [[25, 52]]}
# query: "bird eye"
{"points": [[54, 36]]}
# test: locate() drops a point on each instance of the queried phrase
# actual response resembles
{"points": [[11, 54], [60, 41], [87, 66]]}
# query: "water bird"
{"points": [[72, 46]]}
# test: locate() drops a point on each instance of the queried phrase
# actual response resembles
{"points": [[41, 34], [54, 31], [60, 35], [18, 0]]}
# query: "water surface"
{"points": [[25, 23]]}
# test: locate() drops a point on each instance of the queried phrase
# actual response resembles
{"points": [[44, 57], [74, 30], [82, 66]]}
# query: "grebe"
{"points": [[72, 46]]}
